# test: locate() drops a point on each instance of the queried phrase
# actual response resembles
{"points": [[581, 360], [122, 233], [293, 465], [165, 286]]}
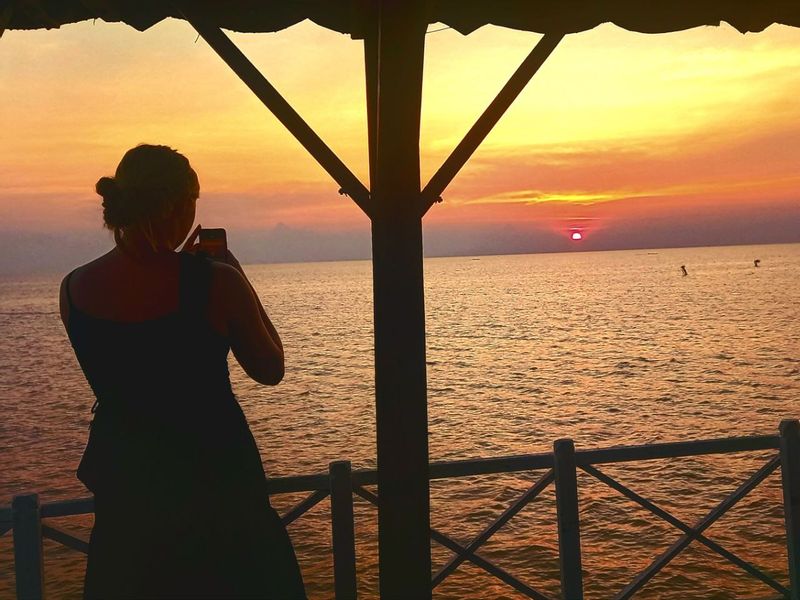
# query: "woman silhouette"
{"points": [[181, 503]]}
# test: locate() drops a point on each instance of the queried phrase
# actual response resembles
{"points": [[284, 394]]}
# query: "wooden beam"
{"points": [[568, 516], [677, 449], [400, 371], [343, 540], [28, 556], [371, 79], [302, 507], [349, 184], [673, 520], [699, 527], [523, 501], [496, 109], [487, 566], [790, 479]]}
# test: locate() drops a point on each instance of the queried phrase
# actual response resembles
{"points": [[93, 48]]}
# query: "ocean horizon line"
{"points": [[44, 271]]}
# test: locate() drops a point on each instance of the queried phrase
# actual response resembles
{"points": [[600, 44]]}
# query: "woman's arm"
{"points": [[254, 339], [264, 318], [232, 261]]}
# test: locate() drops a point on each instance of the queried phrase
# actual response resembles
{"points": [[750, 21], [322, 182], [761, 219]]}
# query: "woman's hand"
{"points": [[190, 245]]}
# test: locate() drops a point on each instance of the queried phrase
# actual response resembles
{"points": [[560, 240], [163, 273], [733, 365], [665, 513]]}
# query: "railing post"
{"points": [[569, 534], [29, 566], [790, 476], [342, 525]]}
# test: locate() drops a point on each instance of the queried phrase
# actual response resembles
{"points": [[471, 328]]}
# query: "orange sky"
{"points": [[615, 124]]}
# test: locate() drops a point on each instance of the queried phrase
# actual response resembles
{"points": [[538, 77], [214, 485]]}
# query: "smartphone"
{"points": [[213, 243]]}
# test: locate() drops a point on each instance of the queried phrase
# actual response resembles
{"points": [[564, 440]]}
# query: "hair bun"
{"points": [[114, 208], [106, 186]]}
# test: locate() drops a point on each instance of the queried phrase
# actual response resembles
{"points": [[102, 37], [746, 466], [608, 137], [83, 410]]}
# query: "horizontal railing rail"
{"points": [[341, 484]]}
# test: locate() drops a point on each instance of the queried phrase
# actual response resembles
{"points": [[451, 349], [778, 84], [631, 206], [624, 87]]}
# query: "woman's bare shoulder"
{"points": [[93, 267], [75, 279], [227, 282]]}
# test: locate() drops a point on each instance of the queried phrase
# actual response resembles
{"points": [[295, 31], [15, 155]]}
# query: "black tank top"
{"points": [[166, 417]]}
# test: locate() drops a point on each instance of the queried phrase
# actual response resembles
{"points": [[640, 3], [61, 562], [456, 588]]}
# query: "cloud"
{"points": [[26, 252], [621, 224], [752, 165], [282, 243]]}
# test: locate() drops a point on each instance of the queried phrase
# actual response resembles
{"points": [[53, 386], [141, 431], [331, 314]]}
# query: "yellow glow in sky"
{"points": [[612, 114]]}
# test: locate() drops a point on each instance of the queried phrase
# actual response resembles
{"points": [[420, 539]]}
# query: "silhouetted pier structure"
{"points": [[393, 34], [25, 518]]}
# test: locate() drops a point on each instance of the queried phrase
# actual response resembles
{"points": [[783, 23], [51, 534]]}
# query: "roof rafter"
{"points": [[272, 99], [486, 122]]}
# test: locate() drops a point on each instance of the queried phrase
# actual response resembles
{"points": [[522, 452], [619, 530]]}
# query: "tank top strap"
{"points": [[194, 285]]}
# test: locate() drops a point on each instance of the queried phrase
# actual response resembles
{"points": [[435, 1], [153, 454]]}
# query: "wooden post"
{"points": [[371, 80], [400, 376], [569, 534], [342, 529], [28, 558], [790, 476]]}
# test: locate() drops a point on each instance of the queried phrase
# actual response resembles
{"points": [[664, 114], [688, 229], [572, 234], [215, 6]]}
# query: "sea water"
{"points": [[605, 348]]}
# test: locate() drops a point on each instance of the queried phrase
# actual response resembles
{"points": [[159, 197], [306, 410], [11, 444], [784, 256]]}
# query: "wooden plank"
{"points": [[486, 122], [469, 555], [65, 539], [531, 462], [489, 531], [342, 531], [674, 521], [66, 508], [271, 98], [371, 79], [487, 566], [489, 466], [366, 495], [569, 527], [475, 466], [677, 449], [28, 557], [302, 507], [399, 307], [365, 477], [659, 563], [790, 479]]}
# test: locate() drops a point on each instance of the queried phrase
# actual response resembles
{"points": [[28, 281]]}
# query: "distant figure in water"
{"points": [[181, 503], [684, 271], [756, 262]]}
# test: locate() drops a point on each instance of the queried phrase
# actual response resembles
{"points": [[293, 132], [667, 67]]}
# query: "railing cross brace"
{"points": [[469, 553], [302, 507], [659, 563], [504, 518], [486, 565], [65, 539], [688, 530]]}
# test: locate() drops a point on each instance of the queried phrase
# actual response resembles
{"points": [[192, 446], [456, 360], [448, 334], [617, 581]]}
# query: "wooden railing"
{"points": [[24, 517]]}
